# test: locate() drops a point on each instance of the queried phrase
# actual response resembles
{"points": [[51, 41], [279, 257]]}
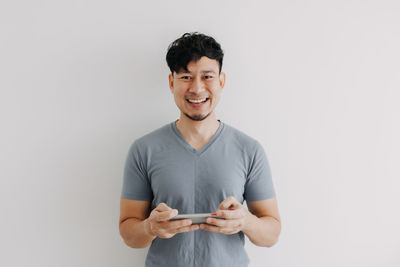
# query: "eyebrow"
{"points": [[203, 71]]}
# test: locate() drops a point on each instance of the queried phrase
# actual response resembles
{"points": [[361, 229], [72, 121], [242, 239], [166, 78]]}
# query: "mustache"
{"points": [[197, 96]]}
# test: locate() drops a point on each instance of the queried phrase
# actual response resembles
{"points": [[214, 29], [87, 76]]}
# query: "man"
{"points": [[197, 164]]}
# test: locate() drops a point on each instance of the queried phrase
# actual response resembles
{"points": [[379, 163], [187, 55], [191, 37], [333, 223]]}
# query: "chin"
{"points": [[197, 117]]}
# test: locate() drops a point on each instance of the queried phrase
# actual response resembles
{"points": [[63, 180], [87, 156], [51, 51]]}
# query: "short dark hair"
{"points": [[191, 47]]}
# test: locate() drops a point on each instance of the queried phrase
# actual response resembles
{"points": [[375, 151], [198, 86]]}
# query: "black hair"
{"points": [[191, 47]]}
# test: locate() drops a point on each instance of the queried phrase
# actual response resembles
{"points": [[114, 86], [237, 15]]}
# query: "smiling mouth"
{"points": [[197, 101]]}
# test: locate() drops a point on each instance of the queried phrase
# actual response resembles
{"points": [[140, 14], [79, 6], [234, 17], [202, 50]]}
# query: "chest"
{"points": [[196, 183]]}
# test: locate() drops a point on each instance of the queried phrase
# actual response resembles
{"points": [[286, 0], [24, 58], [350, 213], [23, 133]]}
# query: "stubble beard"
{"points": [[197, 117]]}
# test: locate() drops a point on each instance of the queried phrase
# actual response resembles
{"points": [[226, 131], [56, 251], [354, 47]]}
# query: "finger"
{"points": [[230, 214], [216, 222], [173, 225], [223, 223], [166, 215], [210, 228], [217, 229], [229, 203], [189, 228], [162, 207]]}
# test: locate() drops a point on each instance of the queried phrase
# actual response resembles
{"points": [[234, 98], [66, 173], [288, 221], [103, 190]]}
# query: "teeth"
{"points": [[196, 101]]}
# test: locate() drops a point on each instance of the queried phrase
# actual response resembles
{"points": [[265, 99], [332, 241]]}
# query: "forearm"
{"points": [[136, 233], [263, 231]]}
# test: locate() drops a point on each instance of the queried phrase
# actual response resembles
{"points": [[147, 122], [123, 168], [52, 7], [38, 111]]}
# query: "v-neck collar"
{"points": [[188, 146]]}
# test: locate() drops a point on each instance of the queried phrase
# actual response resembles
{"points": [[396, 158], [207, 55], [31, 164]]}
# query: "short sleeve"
{"points": [[135, 184], [259, 185]]}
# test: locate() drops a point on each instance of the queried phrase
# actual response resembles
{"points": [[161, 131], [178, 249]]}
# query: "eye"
{"points": [[185, 77], [208, 77]]}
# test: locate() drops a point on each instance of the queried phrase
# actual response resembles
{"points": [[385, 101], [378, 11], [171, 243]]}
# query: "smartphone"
{"points": [[196, 218]]}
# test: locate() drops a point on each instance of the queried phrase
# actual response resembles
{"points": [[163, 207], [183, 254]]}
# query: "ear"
{"points": [[222, 79], [171, 82]]}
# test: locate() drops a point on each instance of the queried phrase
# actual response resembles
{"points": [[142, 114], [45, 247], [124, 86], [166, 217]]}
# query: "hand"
{"points": [[157, 223], [235, 218]]}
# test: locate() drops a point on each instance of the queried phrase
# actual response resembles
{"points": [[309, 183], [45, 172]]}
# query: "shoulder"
{"points": [[241, 139], [153, 139]]}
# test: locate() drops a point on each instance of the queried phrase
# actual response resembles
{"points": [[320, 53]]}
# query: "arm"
{"points": [[139, 229], [132, 225], [261, 223]]}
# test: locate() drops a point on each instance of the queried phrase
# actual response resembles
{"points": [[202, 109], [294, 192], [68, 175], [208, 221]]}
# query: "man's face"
{"points": [[197, 91]]}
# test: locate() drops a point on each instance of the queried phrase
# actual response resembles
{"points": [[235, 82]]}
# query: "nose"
{"points": [[197, 85]]}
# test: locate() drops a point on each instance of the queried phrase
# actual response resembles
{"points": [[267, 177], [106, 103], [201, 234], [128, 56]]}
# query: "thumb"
{"points": [[162, 207]]}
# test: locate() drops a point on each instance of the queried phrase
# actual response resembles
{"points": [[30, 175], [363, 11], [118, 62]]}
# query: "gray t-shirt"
{"points": [[162, 167]]}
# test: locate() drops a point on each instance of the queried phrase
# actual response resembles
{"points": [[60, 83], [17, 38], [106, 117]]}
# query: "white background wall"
{"points": [[316, 82]]}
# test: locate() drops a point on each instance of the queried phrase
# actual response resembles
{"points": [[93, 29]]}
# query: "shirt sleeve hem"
{"points": [[136, 197], [260, 197]]}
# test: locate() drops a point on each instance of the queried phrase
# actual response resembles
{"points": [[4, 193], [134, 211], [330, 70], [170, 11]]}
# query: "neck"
{"points": [[197, 131]]}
